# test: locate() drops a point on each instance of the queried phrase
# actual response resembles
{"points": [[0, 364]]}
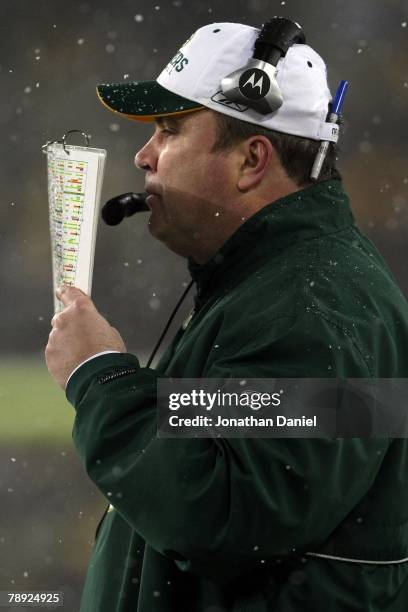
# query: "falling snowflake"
{"points": [[365, 146], [154, 303], [391, 224]]}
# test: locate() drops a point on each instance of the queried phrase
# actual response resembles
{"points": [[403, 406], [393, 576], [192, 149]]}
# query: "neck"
{"points": [[234, 214]]}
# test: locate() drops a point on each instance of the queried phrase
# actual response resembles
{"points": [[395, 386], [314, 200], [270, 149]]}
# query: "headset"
{"points": [[255, 84], [275, 38]]}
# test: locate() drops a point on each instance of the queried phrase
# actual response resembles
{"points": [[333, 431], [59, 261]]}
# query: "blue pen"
{"points": [[334, 115]]}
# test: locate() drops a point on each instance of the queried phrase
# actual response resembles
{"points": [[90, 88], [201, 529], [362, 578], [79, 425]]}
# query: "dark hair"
{"points": [[296, 154]]}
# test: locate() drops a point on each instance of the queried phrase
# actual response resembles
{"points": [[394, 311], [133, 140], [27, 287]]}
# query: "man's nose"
{"points": [[146, 158]]}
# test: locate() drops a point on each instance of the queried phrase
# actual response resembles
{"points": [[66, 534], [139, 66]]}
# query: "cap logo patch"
{"points": [[220, 98], [254, 84]]}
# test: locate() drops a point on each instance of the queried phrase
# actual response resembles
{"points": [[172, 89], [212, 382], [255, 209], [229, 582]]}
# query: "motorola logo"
{"points": [[254, 84]]}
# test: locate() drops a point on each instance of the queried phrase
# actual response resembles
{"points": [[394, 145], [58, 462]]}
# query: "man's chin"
{"points": [[155, 227], [159, 232]]}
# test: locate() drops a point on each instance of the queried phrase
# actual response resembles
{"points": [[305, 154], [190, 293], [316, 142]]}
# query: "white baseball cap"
{"points": [[192, 80]]}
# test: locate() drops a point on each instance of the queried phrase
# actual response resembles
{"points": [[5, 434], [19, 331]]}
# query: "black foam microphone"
{"points": [[125, 205]]}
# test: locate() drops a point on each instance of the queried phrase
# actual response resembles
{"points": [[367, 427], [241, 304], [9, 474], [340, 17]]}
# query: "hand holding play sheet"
{"points": [[78, 332]]}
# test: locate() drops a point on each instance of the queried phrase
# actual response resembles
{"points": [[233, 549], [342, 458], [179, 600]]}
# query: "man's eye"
{"points": [[166, 131]]}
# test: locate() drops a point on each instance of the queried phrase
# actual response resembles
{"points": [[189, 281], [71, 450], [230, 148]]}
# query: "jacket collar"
{"points": [[315, 211]]}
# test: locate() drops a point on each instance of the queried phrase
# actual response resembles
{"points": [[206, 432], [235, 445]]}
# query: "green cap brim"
{"points": [[143, 100]]}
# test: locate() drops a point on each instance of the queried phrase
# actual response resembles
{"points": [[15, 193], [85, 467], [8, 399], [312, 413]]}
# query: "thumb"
{"points": [[119, 340], [67, 294]]}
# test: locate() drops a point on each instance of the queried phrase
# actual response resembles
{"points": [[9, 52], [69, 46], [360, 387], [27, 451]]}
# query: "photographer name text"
{"points": [[247, 421]]}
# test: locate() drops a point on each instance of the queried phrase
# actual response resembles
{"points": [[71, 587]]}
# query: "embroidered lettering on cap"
{"points": [[178, 62]]}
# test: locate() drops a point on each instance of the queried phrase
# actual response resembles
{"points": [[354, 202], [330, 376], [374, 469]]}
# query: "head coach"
{"points": [[287, 286]]}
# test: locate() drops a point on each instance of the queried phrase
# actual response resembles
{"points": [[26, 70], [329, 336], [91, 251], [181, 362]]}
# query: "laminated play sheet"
{"points": [[75, 176]]}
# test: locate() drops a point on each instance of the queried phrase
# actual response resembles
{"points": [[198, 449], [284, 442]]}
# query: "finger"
{"points": [[67, 294]]}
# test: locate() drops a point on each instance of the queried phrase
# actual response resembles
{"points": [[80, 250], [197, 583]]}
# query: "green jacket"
{"points": [[212, 525]]}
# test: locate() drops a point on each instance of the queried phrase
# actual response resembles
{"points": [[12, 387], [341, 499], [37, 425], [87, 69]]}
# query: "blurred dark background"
{"points": [[52, 54]]}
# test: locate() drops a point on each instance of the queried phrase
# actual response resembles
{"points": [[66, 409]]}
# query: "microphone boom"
{"points": [[125, 205]]}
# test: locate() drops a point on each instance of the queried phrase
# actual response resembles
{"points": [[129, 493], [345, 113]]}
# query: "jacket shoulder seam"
{"points": [[348, 335]]}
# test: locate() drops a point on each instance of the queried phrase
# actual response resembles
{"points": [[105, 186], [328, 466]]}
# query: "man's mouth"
{"points": [[151, 188], [152, 194], [151, 198]]}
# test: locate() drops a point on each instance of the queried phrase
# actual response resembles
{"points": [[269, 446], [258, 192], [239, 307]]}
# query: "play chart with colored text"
{"points": [[75, 176]]}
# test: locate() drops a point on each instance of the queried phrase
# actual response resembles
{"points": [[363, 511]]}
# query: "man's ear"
{"points": [[256, 156]]}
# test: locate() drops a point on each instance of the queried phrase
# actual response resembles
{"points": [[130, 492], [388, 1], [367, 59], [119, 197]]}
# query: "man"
{"points": [[287, 286]]}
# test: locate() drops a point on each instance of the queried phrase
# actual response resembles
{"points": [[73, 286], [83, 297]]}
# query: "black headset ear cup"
{"points": [[275, 38]]}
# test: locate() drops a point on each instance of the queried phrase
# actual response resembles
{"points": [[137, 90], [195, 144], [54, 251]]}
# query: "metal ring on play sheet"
{"points": [[63, 140]]}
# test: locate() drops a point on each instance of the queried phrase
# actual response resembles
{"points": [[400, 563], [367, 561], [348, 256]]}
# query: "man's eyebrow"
{"points": [[167, 120]]}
